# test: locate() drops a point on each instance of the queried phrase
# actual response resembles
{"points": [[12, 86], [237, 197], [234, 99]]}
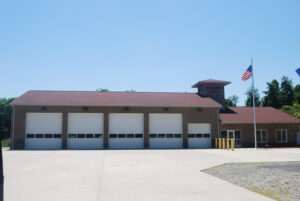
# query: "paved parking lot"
{"points": [[128, 174]]}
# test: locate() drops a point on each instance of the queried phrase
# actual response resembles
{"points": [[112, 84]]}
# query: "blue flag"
{"points": [[298, 71]]}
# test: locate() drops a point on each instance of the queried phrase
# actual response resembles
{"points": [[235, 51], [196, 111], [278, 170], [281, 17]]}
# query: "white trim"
{"points": [[281, 142]]}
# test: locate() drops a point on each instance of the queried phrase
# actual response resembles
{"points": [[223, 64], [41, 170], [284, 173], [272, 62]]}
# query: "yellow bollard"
{"points": [[220, 143], [232, 144], [224, 144], [227, 143], [216, 143]]}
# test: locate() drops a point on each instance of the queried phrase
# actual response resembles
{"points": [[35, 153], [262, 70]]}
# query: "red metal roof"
{"points": [[263, 115], [88, 98]]}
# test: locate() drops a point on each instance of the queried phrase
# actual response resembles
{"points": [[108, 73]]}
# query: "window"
{"points": [[161, 135], [206, 135], [223, 134], [113, 136], [30, 135], [281, 136], [72, 136], [48, 135], [56, 135], [138, 135], [191, 135], [153, 136], [177, 135], [39, 136], [198, 135], [98, 135], [89, 135], [80, 135], [121, 135], [130, 135], [169, 135], [261, 136]]}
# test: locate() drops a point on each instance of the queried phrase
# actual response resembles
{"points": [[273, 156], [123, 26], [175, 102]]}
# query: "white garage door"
{"points": [[126, 131], [199, 136], [85, 131], [165, 131], [43, 131]]}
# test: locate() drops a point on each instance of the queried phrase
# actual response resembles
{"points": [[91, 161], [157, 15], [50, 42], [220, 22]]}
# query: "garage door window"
{"points": [[161, 135], [48, 135], [130, 135], [206, 135], [192, 135], [113, 136], [57, 136], [98, 135], [30, 135], [138, 135], [39, 136], [169, 135], [153, 135], [89, 135], [72, 136], [80, 135], [121, 136], [199, 135], [177, 135]]}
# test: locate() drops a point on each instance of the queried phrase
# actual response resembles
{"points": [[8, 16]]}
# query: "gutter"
{"points": [[118, 105]]}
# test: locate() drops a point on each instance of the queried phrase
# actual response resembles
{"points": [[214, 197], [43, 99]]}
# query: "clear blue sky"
{"points": [[152, 45]]}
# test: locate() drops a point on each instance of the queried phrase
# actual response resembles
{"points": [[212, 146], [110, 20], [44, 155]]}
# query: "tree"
{"points": [[273, 95], [287, 91], [297, 93], [231, 101], [5, 117], [249, 101], [102, 90], [131, 90]]}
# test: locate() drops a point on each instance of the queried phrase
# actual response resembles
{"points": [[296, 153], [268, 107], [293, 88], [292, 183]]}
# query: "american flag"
{"points": [[247, 74]]}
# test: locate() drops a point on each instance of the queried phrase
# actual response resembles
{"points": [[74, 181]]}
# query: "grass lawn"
{"points": [[5, 142]]}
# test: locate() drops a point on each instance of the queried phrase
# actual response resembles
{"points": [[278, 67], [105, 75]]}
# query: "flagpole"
{"points": [[253, 97]]}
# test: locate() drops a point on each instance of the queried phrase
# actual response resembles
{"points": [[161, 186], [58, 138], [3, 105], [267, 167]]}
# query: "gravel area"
{"points": [[277, 180]]}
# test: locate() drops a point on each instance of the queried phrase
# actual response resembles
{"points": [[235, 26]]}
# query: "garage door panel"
{"points": [[43, 123], [42, 144], [165, 131], [199, 135], [126, 143], [126, 131], [165, 123], [85, 123], [43, 131], [85, 130], [126, 123]]}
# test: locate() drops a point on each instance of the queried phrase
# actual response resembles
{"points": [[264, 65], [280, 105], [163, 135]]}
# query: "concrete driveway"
{"points": [[128, 175]]}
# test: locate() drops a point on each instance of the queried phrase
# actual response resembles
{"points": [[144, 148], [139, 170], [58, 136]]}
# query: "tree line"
{"points": [[281, 95]]}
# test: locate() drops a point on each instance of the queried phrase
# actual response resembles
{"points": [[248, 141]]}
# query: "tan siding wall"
{"points": [[247, 131]]}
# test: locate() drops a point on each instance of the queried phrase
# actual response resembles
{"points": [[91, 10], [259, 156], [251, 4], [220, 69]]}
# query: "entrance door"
{"points": [[236, 135]]}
